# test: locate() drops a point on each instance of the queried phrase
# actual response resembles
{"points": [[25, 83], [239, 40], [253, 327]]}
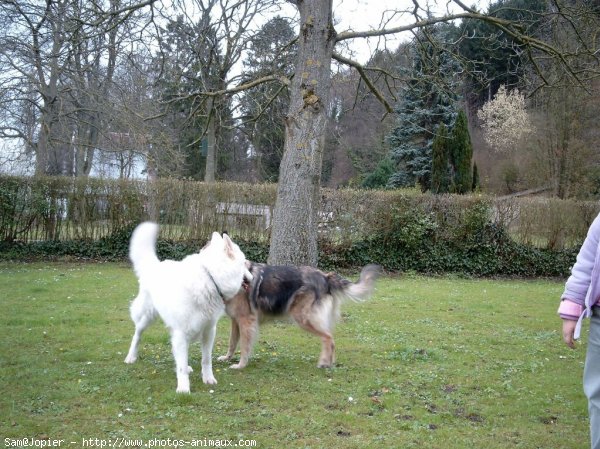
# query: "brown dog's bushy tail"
{"points": [[356, 291]]}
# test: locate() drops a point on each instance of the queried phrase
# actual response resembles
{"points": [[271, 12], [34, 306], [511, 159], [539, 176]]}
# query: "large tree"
{"points": [[293, 236], [188, 61], [214, 34], [265, 106]]}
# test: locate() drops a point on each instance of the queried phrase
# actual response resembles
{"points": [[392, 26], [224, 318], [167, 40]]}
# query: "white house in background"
{"points": [[107, 164]]}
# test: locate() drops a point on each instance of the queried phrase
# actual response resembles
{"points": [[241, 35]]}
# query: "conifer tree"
{"points": [[461, 154], [378, 178], [440, 173], [428, 99], [475, 184]]}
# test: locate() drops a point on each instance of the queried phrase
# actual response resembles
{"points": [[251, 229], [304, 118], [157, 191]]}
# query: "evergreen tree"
{"points": [[495, 58], [265, 106], [475, 185], [379, 177], [429, 99], [461, 155], [440, 166], [187, 48]]}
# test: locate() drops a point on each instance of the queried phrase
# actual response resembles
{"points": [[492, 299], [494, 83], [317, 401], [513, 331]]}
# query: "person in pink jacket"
{"points": [[581, 299]]}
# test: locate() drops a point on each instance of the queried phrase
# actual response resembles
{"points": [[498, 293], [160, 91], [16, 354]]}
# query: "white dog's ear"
{"points": [[229, 250], [216, 238]]}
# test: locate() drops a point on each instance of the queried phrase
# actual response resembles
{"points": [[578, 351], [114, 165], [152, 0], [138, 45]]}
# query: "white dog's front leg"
{"points": [[180, 353], [208, 338]]}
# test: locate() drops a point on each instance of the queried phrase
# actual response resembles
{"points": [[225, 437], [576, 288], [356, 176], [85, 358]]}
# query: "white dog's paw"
{"points": [[130, 359], [224, 358], [183, 385], [209, 380], [237, 366]]}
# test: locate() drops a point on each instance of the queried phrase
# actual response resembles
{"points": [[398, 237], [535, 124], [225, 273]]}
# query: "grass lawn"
{"points": [[426, 363]]}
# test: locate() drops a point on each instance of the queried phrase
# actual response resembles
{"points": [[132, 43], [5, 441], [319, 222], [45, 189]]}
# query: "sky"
{"points": [[362, 15]]}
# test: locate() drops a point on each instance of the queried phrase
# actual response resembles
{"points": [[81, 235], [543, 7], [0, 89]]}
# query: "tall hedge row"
{"points": [[402, 230]]}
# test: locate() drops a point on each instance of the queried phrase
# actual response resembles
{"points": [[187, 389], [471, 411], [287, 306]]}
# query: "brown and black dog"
{"points": [[307, 295]]}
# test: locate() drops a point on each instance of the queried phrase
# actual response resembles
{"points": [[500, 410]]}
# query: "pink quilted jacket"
{"points": [[582, 289]]}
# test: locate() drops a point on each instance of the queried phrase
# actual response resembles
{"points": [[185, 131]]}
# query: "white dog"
{"points": [[188, 295]]}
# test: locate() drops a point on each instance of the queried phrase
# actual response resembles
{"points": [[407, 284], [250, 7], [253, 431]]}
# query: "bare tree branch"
{"points": [[361, 70]]}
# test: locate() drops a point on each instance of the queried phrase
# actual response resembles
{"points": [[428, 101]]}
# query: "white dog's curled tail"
{"points": [[142, 246]]}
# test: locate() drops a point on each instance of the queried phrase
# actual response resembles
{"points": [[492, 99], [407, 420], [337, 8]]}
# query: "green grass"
{"points": [[426, 363]]}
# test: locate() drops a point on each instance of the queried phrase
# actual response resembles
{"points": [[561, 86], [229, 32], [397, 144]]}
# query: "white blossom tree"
{"points": [[505, 120]]}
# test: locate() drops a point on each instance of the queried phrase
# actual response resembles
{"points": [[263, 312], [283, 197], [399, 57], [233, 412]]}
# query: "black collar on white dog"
{"points": [[215, 284]]}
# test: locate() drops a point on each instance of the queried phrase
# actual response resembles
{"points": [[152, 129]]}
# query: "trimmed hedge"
{"points": [[44, 218], [113, 248], [491, 253], [488, 252], [494, 257]]}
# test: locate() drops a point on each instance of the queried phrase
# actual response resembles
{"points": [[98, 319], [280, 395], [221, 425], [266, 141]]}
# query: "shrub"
{"points": [[475, 246], [400, 229]]}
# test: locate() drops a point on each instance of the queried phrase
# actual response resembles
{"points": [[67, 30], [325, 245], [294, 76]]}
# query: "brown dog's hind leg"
{"points": [[234, 337], [248, 330], [318, 322], [327, 356]]}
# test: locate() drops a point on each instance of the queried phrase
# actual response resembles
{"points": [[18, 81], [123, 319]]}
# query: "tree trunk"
{"points": [[211, 150], [47, 160], [295, 219], [42, 149], [87, 140]]}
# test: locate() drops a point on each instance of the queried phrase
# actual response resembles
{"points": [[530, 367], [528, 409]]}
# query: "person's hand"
{"points": [[568, 330]]}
